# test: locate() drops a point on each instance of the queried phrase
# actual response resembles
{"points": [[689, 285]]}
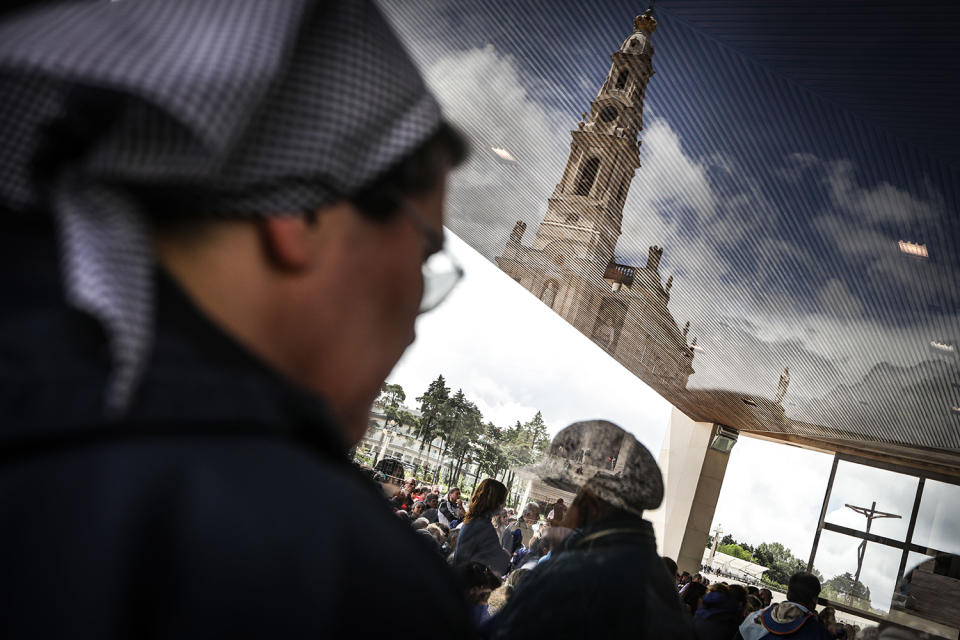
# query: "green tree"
{"points": [[780, 562], [465, 430], [391, 401], [490, 457], [536, 432], [522, 445], [434, 418], [391, 395], [842, 586], [736, 551], [776, 558]]}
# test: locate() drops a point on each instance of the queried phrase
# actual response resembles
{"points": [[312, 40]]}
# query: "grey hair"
{"points": [[435, 530], [529, 507]]}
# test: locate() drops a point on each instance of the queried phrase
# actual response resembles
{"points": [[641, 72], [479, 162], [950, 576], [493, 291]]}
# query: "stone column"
{"points": [[692, 475]]}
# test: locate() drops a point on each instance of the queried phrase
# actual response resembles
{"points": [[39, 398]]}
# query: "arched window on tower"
{"points": [[622, 79], [588, 173]]}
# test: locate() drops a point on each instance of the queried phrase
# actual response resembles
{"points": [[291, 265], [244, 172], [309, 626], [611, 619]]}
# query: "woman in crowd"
{"points": [[501, 522], [478, 541], [416, 511]]}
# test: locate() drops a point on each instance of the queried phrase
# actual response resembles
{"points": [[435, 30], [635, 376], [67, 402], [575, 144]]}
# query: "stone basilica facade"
{"points": [[571, 265]]}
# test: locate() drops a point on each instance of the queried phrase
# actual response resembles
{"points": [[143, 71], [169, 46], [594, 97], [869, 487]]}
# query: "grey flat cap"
{"points": [[601, 456]]}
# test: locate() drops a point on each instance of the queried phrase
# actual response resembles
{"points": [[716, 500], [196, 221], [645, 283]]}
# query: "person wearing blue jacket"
{"points": [[796, 617]]}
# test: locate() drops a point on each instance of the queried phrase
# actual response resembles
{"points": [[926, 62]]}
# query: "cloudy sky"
{"points": [[779, 210]]}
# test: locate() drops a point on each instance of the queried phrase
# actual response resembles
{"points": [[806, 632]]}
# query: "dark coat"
{"points": [[718, 618], [205, 512], [608, 582], [479, 542]]}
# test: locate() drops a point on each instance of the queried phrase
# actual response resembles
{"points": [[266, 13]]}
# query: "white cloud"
{"points": [[836, 298], [879, 203], [480, 90], [773, 493]]}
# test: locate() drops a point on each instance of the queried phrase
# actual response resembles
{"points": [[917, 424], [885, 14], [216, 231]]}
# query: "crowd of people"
{"points": [[517, 538], [493, 550]]}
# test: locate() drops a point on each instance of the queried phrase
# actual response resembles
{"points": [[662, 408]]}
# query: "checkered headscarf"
{"points": [[238, 107]]}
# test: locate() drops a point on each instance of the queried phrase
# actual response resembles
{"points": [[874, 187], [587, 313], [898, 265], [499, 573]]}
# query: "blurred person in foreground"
{"points": [[220, 219], [606, 575], [795, 617]]}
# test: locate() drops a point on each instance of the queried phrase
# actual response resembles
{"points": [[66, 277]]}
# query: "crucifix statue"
{"points": [[871, 515]]}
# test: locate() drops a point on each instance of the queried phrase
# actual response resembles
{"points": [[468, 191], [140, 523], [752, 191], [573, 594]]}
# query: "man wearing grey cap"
{"points": [[222, 219], [607, 580]]}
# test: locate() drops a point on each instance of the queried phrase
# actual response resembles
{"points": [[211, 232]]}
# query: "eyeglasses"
{"points": [[441, 273]]}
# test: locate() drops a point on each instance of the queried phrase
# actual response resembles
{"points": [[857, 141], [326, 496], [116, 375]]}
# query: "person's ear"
{"points": [[287, 241]]}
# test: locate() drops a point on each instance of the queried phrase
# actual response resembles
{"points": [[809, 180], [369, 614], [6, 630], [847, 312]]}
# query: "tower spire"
{"points": [[645, 22], [626, 312]]}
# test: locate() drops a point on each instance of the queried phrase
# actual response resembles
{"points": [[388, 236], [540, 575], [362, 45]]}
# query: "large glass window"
{"points": [[904, 567], [860, 487], [872, 590], [938, 521]]}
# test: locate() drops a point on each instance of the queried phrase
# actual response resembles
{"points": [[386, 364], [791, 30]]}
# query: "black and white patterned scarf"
{"points": [[242, 108]]}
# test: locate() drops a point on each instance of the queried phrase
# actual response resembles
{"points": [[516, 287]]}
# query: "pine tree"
{"points": [[433, 410]]}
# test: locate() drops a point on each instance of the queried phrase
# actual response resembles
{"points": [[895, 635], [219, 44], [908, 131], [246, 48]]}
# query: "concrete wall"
{"points": [[693, 474]]}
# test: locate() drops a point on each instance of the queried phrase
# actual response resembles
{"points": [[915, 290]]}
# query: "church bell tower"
{"points": [[585, 211], [570, 266]]}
